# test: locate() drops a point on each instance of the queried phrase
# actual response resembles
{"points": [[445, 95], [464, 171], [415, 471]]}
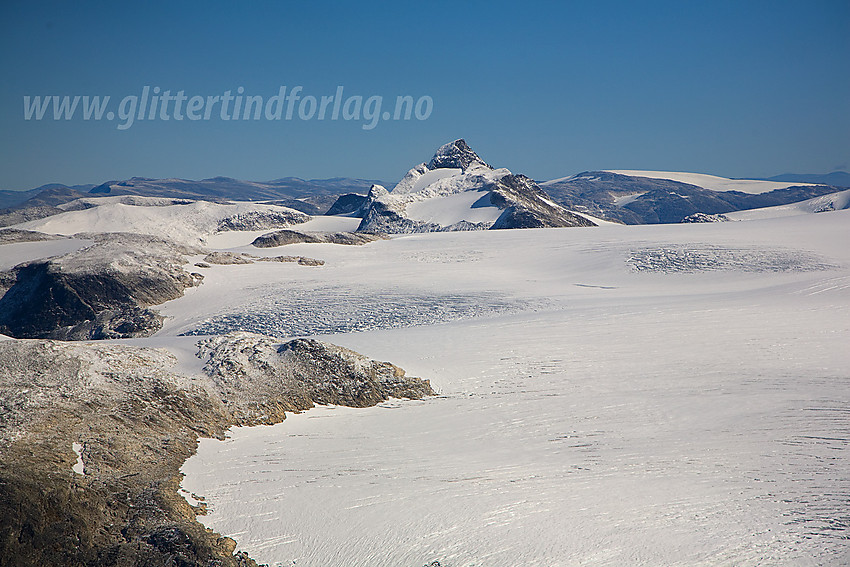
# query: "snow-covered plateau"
{"points": [[618, 395], [712, 182]]}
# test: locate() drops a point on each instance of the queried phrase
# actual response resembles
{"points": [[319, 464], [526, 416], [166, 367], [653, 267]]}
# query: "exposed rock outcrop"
{"points": [[702, 218], [457, 155], [13, 235], [102, 291], [226, 258], [527, 206], [262, 220], [134, 422], [283, 237], [8, 217], [302, 260]]}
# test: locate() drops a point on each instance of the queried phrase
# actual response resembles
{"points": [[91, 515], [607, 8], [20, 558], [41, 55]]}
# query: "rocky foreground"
{"points": [[92, 437]]}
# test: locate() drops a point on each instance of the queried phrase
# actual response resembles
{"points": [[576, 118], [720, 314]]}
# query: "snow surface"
{"points": [[822, 204], [430, 177], [19, 252], [78, 467], [711, 182], [471, 206], [658, 395], [191, 223]]}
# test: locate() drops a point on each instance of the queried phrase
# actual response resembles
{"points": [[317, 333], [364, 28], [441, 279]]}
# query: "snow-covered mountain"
{"points": [[649, 197], [457, 190]]}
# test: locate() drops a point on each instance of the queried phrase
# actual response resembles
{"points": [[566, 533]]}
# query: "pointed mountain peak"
{"points": [[456, 155]]}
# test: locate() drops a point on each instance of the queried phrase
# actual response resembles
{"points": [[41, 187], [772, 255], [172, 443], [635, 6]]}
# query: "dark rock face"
{"points": [[527, 206], [347, 204], [283, 237], [381, 218], [457, 155], [136, 422], [102, 291], [661, 200]]}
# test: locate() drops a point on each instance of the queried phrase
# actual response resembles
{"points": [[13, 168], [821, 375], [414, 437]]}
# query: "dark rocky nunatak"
{"points": [[283, 237], [100, 292]]}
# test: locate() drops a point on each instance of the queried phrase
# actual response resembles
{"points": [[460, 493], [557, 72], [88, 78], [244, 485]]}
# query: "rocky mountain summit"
{"points": [[93, 435], [457, 190], [456, 155]]}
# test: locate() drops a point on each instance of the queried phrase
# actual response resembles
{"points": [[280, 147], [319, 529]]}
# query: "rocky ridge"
{"points": [[132, 420], [102, 291], [288, 236]]}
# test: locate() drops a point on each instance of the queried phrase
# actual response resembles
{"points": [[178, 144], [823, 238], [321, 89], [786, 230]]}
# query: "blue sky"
{"points": [[546, 89]]}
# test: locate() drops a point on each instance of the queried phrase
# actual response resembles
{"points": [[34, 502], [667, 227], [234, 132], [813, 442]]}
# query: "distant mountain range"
{"points": [[311, 196], [650, 198], [13, 198], [631, 197]]}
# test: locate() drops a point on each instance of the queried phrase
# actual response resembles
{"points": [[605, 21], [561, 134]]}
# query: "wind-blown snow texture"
{"points": [[676, 395]]}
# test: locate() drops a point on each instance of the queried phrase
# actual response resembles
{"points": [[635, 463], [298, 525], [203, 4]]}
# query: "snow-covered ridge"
{"points": [[189, 223], [713, 182], [826, 203]]}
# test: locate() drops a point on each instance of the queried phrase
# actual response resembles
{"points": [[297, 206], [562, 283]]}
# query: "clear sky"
{"points": [[547, 89]]}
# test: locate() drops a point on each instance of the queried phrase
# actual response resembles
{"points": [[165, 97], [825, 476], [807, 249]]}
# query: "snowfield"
{"points": [[189, 223], [620, 395], [712, 182], [831, 202], [470, 206]]}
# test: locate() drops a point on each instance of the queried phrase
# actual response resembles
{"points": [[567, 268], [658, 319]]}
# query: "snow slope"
{"points": [[823, 204], [189, 223], [19, 252], [711, 182], [471, 206], [657, 395]]}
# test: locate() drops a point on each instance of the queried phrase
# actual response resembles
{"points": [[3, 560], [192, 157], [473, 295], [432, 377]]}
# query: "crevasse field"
{"points": [[621, 395]]}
